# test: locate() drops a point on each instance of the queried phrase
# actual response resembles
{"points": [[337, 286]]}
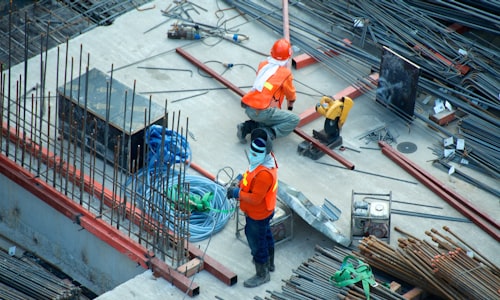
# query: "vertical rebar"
{"points": [[56, 115]]}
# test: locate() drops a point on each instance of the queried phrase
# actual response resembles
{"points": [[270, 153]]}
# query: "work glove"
{"points": [[233, 193], [236, 181]]}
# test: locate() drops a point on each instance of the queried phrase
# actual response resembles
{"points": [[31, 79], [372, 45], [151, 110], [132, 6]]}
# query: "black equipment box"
{"points": [[107, 116]]}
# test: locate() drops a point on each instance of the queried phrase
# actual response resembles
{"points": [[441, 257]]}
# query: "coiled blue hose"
{"points": [[176, 148], [150, 184]]}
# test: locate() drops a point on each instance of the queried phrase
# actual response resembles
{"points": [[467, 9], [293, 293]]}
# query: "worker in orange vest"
{"points": [[256, 192], [263, 102]]}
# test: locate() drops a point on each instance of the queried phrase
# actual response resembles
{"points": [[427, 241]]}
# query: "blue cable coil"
{"points": [[176, 148], [150, 184]]}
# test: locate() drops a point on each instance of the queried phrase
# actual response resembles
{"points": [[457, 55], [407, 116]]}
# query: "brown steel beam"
{"points": [[353, 91], [286, 23], [303, 60], [210, 72], [324, 148], [481, 219], [183, 283]]}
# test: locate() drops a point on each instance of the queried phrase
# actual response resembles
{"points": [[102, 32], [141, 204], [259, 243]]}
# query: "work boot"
{"points": [[262, 276], [243, 129], [271, 260], [241, 133]]}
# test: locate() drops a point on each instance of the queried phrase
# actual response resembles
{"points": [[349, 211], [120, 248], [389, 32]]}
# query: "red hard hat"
{"points": [[281, 50]]}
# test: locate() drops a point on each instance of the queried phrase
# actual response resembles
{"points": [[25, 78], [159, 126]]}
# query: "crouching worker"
{"points": [[257, 196], [274, 83]]}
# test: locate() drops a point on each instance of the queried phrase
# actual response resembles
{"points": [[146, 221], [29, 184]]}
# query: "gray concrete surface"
{"points": [[213, 118], [87, 259]]}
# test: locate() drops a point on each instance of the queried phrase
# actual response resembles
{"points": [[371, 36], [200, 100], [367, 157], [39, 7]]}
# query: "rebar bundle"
{"points": [[32, 280], [312, 280], [450, 269], [461, 69], [484, 138]]}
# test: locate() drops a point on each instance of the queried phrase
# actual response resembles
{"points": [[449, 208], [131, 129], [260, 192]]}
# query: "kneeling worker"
{"points": [[263, 102]]}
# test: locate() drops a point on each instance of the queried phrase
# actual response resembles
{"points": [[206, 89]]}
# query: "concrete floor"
{"points": [[213, 118]]}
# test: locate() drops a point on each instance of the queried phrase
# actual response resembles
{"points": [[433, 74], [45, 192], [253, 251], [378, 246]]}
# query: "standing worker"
{"points": [[257, 195], [263, 102]]}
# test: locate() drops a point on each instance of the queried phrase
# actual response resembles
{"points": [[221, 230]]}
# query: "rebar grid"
{"points": [[59, 20], [64, 148]]}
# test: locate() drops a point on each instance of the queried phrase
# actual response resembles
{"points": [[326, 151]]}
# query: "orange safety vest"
{"points": [[272, 90], [265, 208]]}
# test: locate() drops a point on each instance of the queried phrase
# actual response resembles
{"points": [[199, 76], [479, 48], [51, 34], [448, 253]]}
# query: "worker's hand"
{"points": [[233, 193], [236, 181]]}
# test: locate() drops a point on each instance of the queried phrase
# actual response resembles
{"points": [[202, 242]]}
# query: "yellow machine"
{"points": [[335, 112]]}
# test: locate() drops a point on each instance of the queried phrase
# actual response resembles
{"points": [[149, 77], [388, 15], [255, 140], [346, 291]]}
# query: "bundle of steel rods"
{"points": [[7, 292], [312, 280], [485, 139], [455, 67], [33, 280], [450, 269]]}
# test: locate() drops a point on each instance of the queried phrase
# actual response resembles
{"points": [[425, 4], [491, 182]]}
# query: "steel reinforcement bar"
{"points": [[465, 207]]}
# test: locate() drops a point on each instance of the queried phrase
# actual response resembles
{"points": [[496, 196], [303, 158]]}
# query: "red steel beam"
{"points": [[286, 25], [74, 212], [352, 91], [241, 93], [439, 184], [324, 148], [160, 269], [94, 225], [112, 200], [463, 69], [303, 60], [210, 72], [481, 219], [214, 267]]}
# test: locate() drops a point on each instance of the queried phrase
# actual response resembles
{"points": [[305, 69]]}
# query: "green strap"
{"points": [[348, 274]]}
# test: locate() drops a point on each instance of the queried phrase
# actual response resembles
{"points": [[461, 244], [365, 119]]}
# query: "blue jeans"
{"points": [[260, 238], [280, 122]]}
